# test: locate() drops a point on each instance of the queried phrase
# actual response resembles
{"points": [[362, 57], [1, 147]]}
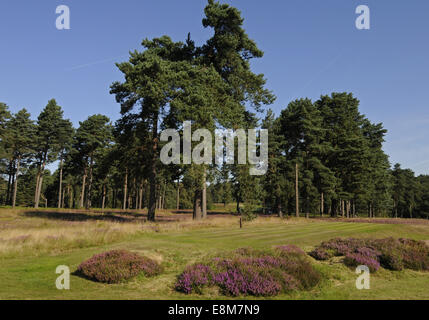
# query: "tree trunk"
{"points": [[163, 195], [279, 209], [103, 202], [296, 191], [62, 198], [141, 196], [197, 205], [40, 182], [348, 209], [61, 184], [178, 195], [204, 194], [15, 185], [342, 208], [153, 172], [71, 198], [124, 204], [9, 183], [89, 191], [82, 193], [322, 204], [37, 187], [39, 190]]}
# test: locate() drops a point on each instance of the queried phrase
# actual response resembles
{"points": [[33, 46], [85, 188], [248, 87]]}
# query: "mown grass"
{"points": [[27, 270]]}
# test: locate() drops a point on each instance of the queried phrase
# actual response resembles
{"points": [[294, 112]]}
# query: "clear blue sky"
{"points": [[311, 48]]}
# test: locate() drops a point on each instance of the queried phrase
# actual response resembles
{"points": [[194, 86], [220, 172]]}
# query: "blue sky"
{"points": [[311, 48]]}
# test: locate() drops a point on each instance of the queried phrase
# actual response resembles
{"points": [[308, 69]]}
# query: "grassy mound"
{"points": [[252, 272], [390, 253], [117, 266]]}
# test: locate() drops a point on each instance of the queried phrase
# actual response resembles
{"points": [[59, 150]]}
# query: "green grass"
{"points": [[31, 276]]}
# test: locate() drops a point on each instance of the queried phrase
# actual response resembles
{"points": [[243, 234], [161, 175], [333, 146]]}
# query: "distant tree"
{"points": [[92, 136], [20, 137], [65, 139], [48, 141]]}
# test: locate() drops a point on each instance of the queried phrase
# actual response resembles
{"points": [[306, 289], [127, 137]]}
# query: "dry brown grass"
{"points": [[24, 231]]}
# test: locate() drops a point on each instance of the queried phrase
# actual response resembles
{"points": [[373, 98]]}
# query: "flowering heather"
{"points": [[117, 266], [358, 259], [390, 253], [252, 272], [290, 249], [194, 278]]}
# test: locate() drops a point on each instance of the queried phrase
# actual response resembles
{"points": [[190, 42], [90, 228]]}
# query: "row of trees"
{"points": [[325, 157]]}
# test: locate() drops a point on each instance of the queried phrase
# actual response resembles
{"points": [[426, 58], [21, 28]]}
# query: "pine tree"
{"points": [[20, 136], [48, 141]]}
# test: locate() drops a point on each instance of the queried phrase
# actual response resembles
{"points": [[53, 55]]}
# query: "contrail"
{"points": [[94, 63], [322, 71]]}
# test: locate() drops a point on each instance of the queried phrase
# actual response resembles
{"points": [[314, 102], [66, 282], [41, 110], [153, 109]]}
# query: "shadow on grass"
{"points": [[65, 216]]}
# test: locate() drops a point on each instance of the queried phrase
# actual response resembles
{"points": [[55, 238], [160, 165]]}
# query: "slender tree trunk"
{"points": [[141, 196], [61, 183], [9, 183], [39, 190], [204, 194], [178, 195], [103, 202], [62, 198], [71, 198], [82, 193], [15, 186], [197, 205], [40, 182], [163, 195], [124, 205], [296, 191], [322, 204], [348, 209], [89, 191], [279, 208], [136, 193], [153, 172], [342, 208], [37, 187]]}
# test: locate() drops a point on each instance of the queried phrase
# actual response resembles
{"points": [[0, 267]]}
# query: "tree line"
{"points": [[325, 157]]}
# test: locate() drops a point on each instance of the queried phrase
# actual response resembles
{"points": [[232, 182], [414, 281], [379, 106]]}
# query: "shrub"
{"points": [[415, 255], [252, 272], [390, 253], [358, 259], [290, 249], [321, 254], [194, 278], [249, 212], [117, 266]]}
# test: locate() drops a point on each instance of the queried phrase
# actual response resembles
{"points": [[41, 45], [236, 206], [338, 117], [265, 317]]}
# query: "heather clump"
{"points": [[117, 266], [390, 253], [252, 272]]}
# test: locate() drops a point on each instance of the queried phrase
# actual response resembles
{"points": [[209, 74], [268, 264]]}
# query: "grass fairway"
{"points": [[27, 271]]}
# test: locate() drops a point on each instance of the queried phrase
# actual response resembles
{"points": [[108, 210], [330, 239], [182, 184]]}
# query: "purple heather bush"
{"points": [[252, 272], [194, 278], [390, 253], [358, 259], [117, 266]]}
